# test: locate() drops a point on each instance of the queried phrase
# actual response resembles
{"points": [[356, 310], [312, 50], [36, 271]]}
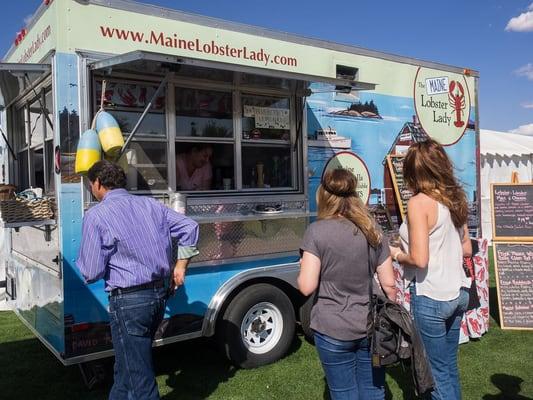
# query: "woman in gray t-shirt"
{"points": [[335, 263]]}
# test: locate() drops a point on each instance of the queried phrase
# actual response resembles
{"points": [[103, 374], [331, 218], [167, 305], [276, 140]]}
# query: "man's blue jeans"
{"points": [[134, 318], [348, 369], [439, 324]]}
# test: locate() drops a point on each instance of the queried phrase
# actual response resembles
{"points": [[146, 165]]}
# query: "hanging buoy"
{"points": [[89, 151], [109, 133]]}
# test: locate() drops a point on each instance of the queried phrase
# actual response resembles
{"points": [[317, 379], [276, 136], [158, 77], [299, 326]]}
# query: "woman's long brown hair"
{"points": [[337, 195], [427, 169]]}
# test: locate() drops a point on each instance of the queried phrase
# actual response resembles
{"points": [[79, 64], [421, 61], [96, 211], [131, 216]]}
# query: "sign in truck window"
{"points": [[442, 104], [270, 118]]}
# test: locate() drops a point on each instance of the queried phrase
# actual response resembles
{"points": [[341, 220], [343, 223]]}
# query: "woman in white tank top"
{"points": [[434, 240]]}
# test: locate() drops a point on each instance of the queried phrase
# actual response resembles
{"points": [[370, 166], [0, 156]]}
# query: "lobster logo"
{"points": [[456, 96], [442, 104]]}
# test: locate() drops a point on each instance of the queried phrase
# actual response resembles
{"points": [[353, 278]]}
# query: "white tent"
{"points": [[502, 154]]}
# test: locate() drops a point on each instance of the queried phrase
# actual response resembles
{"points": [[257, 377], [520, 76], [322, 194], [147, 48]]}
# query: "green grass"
{"points": [[497, 366]]}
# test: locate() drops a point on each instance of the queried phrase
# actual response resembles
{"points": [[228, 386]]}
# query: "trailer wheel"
{"points": [[257, 327]]}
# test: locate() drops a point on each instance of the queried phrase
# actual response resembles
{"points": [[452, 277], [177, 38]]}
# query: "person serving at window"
{"points": [[193, 168]]}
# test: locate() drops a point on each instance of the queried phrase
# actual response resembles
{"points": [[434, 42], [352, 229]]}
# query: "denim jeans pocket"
{"points": [[138, 318]]}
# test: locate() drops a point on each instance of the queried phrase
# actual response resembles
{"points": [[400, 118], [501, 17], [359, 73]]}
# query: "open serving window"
{"points": [[215, 128], [27, 99]]}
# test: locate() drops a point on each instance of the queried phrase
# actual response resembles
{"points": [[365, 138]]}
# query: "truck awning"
{"points": [[134, 58], [15, 79]]}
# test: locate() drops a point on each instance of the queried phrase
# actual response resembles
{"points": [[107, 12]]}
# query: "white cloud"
{"points": [[523, 130], [526, 70], [27, 19], [522, 23], [527, 105]]}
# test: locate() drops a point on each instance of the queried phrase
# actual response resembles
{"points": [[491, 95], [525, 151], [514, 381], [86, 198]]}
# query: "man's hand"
{"points": [[177, 277]]}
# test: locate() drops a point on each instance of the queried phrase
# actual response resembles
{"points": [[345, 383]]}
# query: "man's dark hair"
{"points": [[110, 175]]}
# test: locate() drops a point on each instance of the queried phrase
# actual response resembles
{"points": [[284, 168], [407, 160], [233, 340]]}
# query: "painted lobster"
{"points": [[457, 100]]}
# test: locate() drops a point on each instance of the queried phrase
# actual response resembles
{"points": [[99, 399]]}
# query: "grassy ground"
{"points": [[498, 366]]}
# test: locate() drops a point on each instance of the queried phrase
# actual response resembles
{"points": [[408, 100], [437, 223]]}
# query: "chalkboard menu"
{"points": [[512, 211], [395, 164], [514, 279], [382, 217]]}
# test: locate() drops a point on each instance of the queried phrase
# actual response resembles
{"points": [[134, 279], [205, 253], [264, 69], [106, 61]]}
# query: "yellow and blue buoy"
{"points": [[89, 151], [109, 133]]}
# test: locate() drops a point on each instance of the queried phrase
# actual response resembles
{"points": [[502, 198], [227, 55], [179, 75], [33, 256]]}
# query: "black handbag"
{"points": [[388, 345], [393, 337]]}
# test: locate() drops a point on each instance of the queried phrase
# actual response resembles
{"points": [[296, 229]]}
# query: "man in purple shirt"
{"points": [[127, 241]]}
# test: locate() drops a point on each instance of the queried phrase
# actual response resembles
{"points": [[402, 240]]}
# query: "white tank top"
{"points": [[444, 275]]}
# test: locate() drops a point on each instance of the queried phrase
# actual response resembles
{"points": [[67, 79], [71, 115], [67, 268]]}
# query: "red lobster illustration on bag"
{"points": [[457, 100]]}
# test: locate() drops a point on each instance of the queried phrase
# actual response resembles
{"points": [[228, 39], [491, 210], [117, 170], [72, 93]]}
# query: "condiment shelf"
{"points": [[27, 223]]}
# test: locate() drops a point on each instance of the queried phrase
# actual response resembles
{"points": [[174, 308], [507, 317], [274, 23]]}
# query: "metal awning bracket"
{"points": [[145, 111]]}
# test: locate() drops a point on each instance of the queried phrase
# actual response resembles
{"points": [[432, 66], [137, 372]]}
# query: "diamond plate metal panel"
{"points": [[241, 207], [227, 240]]}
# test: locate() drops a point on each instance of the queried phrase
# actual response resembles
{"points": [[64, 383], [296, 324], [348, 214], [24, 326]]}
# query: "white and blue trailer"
{"points": [[276, 109]]}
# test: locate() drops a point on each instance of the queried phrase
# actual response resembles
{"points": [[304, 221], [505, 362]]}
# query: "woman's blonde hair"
{"points": [[337, 195], [427, 169]]}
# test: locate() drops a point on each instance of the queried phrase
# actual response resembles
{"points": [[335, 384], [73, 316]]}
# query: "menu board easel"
{"points": [[402, 194], [512, 232], [513, 264], [512, 211]]}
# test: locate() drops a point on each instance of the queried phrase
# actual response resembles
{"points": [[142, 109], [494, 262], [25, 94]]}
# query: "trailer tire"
{"points": [[257, 327]]}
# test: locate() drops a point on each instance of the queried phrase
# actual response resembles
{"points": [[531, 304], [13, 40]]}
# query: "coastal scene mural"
{"points": [[373, 126]]}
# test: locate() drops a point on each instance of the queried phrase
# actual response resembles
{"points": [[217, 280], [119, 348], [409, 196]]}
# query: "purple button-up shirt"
{"points": [[127, 240]]}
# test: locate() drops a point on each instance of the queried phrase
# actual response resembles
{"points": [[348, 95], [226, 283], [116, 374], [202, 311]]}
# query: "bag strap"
{"points": [[370, 277]]}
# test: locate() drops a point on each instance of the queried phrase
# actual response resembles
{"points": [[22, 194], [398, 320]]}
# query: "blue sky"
{"points": [[494, 37]]}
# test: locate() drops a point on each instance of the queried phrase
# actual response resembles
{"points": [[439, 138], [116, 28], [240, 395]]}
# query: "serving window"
{"points": [[266, 118], [205, 166], [32, 135], [147, 165], [126, 101], [266, 167], [207, 137], [206, 159], [146, 156], [204, 113], [266, 142]]}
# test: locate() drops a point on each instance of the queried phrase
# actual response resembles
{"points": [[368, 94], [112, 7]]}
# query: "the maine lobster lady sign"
{"points": [[442, 104]]}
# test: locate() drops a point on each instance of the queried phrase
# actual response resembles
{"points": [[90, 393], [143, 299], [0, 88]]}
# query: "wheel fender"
{"points": [[285, 272]]}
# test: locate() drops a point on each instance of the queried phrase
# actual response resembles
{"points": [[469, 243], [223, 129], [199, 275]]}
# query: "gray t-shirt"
{"points": [[341, 305]]}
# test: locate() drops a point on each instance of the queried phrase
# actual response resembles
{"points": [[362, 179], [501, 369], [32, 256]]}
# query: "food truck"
{"points": [[273, 110]]}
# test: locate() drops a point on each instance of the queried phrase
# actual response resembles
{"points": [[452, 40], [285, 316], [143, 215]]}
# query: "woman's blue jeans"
{"points": [[439, 324], [134, 318], [348, 369]]}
